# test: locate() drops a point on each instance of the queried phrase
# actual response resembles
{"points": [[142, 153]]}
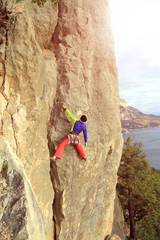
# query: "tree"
{"points": [[139, 192], [133, 163], [149, 190]]}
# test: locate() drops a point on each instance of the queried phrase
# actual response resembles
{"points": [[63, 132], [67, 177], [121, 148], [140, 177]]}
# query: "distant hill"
{"points": [[131, 118]]}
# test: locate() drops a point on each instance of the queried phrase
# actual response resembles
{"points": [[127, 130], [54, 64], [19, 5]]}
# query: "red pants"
{"points": [[63, 144]]}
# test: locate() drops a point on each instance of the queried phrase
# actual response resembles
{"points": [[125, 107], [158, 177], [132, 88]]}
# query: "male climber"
{"points": [[77, 127]]}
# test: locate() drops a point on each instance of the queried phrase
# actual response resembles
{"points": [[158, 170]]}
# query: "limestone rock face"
{"points": [[19, 209], [28, 86], [49, 56], [119, 223], [115, 237], [87, 83]]}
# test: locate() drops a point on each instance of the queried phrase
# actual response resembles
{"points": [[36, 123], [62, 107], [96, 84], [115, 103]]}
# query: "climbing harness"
{"points": [[72, 139]]}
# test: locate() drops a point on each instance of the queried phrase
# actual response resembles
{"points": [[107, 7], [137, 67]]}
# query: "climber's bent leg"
{"points": [[80, 150], [60, 149]]}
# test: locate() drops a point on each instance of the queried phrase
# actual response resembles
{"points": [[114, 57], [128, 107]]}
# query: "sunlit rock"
{"points": [[49, 56]]}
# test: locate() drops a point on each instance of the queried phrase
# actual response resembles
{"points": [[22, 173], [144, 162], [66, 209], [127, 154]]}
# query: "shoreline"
{"points": [[126, 131]]}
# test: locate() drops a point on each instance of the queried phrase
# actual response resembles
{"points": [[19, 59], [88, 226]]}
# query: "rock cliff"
{"points": [[49, 56]]}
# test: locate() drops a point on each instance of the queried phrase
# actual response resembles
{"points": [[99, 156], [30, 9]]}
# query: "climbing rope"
{"points": [[72, 192]]}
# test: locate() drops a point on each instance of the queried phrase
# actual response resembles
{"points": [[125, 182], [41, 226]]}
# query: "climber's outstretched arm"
{"points": [[69, 113]]}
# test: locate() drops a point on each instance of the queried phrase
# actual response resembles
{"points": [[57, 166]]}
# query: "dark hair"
{"points": [[83, 118]]}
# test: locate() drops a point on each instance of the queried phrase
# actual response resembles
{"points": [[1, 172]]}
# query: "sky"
{"points": [[136, 30]]}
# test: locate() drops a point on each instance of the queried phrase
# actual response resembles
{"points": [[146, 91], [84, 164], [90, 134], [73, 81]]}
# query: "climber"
{"points": [[77, 127]]}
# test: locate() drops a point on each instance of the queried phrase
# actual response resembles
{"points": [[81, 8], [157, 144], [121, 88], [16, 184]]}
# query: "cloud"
{"points": [[145, 98], [137, 74], [137, 45], [142, 91]]}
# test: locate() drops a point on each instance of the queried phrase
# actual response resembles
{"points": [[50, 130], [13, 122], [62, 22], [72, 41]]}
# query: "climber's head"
{"points": [[83, 118]]}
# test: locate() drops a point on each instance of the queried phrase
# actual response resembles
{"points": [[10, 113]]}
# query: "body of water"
{"points": [[151, 143]]}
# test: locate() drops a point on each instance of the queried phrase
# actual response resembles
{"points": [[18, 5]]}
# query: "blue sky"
{"points": [[136, 30]]}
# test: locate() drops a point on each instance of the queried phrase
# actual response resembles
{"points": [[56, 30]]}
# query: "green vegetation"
{"points": [[4, 165], [40, 3], [138, 189]]}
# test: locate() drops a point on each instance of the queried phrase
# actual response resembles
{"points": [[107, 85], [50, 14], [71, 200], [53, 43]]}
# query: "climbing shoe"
{"points": [[53, 159]]}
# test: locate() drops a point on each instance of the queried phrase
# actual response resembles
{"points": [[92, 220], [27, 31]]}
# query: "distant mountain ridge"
{"points": [[131, 118]]}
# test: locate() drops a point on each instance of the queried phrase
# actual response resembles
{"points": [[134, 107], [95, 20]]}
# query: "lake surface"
{"points": [[151, 144]]}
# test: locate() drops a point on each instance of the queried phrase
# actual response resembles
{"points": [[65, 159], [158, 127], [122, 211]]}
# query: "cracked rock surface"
{"points": [[49, 56]]}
